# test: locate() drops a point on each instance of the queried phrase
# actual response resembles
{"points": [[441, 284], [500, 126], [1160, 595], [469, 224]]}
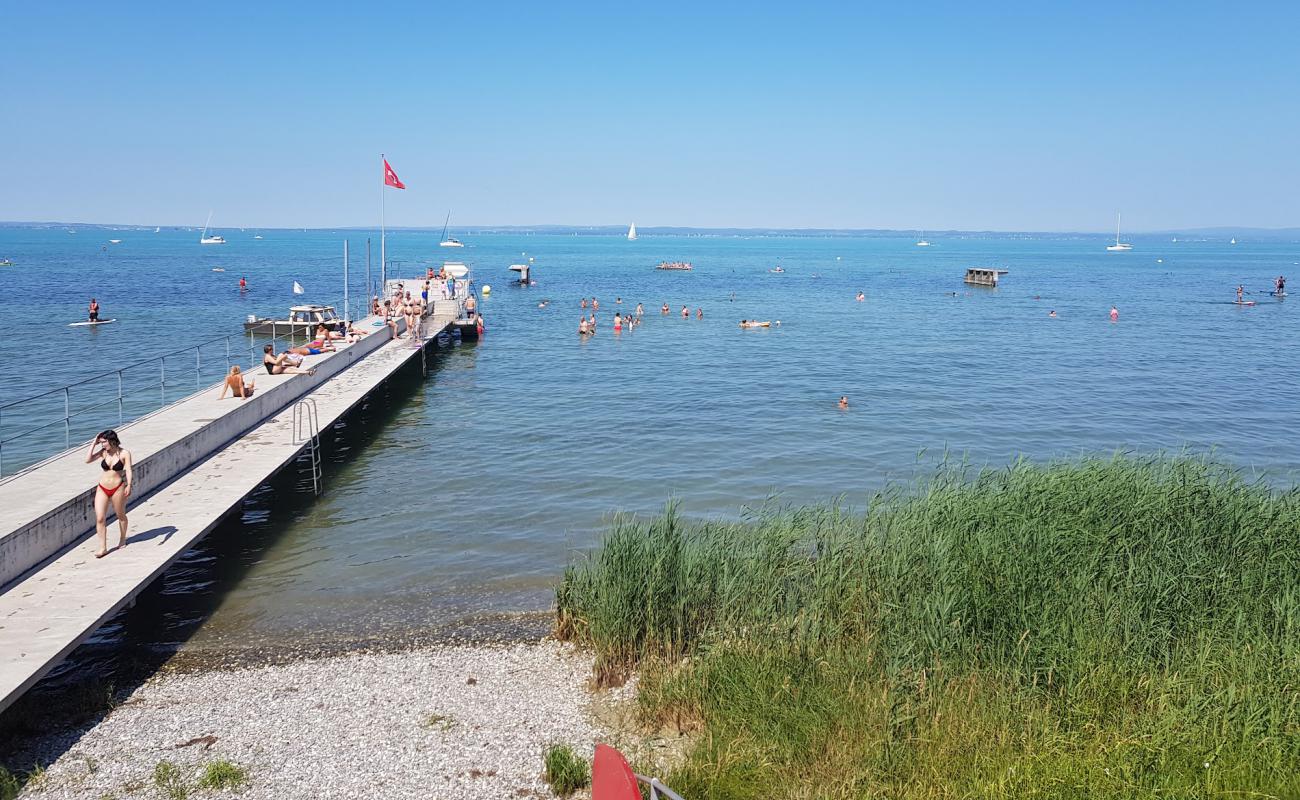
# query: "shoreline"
{"points": [[447, 720]]}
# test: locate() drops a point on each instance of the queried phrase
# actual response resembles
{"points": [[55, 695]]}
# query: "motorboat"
{"points": [[675, 266], [302, 319]]}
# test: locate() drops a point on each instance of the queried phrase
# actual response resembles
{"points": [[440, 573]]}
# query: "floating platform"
{"points": [[979, 276]]}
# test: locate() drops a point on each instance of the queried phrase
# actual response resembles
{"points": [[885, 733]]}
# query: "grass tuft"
{"points": [[169, 780], [221, 775], [1100, 627], [441, 722], [566, 771], [9, 784]]}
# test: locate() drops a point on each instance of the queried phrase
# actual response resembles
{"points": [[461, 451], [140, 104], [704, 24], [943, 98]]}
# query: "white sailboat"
{"points": [[631, 232], [157, 230], [445, 241], [1233, 241], [1118, 244], [204, 238], [922, 242]]}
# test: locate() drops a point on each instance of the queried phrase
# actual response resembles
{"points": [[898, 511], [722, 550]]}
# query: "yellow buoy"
{"points": [[487, 290]]}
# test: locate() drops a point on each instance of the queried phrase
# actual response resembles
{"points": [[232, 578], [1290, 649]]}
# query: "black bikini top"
{"points": [[119, 467]]}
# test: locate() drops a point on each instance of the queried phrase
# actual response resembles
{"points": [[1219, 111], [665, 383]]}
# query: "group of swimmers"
{"points": [[587, 322]]}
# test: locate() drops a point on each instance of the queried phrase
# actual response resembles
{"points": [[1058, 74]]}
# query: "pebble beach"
{"points": [[452, 722]]}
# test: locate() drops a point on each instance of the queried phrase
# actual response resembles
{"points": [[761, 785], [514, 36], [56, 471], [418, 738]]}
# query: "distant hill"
{"points": [[621, 230]]}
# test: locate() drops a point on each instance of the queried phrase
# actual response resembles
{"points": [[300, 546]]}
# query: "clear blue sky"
{"points": [[892, 115]]}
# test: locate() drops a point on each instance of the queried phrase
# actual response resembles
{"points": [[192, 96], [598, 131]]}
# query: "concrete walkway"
{"points": [[48, 612]]}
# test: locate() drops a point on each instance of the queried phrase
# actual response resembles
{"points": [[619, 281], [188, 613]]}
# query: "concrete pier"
{"points": [[54, 593]]}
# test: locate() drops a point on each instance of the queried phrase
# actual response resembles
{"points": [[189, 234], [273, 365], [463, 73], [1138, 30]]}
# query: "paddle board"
{"points": [[97, 322], [1243, 302]]}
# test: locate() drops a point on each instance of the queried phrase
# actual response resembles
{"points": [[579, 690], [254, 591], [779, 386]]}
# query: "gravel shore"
{"points": [[445, 723]]}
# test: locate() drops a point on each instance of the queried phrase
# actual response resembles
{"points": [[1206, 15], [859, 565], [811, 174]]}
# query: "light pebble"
{"points": [[344, 727]]}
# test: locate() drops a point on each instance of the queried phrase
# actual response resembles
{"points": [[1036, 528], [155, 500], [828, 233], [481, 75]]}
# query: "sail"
{"points": [[631, 232], [297, 288]]}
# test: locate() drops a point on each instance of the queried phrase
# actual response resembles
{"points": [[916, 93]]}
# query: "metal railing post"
{"points": [[198, 371], [228, 355], [120, 415], [67, 419], [162, 380]]}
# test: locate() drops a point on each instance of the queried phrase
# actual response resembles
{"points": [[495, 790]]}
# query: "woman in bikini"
{"points": [[279, 365], [234, 383], [114, 485]]}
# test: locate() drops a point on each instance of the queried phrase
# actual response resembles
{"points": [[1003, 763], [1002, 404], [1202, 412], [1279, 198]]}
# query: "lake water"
{"points": [[465, 492]]}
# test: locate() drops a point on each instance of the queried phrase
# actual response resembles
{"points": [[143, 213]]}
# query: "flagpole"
{"points": [[346, 316], [369, 292], [383, 250]]}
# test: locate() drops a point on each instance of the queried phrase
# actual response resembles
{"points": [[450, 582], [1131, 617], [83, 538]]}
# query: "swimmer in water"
{"points": [[753, 323], [699, 313], [664, 310], [583, 303], [861, 296], [595, 304], [544, 304], [640, 310], [686, 312], [582, 326], [844, 401], [1052, 313], [1114, 314], [618, 322], [618, 301]]}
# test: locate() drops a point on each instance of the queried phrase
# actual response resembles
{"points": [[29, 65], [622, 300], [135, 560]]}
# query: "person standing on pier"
{"points": [[114, 486]]}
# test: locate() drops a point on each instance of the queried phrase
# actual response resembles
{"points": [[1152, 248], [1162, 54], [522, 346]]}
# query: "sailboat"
{"points": [[204, 238], [922, 242], [1233, 241], [445, 241], [157, 230], [1118, 244], [631, 232]]}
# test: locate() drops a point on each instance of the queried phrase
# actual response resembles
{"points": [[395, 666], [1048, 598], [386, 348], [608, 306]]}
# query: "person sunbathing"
{"points": [[234, 383], [283, 363]]}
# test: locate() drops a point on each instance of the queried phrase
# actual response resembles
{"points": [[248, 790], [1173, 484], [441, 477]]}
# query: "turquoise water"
{"points": [[466, 491]]}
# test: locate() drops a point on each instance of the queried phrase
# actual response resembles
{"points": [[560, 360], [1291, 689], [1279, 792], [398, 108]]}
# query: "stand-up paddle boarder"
{"points": [[93, 309]]}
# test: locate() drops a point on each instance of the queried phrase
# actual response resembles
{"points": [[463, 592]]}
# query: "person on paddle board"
{"points": [[1279, 285], [1240, 290], [93, 309]]}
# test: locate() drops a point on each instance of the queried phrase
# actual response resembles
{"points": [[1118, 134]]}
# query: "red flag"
{"points": [[390, 177]]}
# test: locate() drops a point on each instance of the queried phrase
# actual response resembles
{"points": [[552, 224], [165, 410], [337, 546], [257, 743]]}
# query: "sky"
{"points": [[963, 116]]}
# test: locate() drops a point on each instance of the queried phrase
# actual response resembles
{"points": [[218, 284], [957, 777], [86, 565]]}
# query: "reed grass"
{"points": [[1114, 627]]}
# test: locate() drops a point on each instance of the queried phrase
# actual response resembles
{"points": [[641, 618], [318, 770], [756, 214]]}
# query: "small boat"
{"points": [[446, 241], [675, 266], [302, 319], [218, 269], [258, 236], [922, 242], [1118, 246], [776, 270], [114, 241], [4, 262], [157, 230], [1233, 240], [979, 276], [204, 238], [631, 232]]}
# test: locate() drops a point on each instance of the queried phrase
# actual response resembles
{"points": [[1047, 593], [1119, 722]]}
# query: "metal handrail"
{"points": [[657, 789], [123, 393]]}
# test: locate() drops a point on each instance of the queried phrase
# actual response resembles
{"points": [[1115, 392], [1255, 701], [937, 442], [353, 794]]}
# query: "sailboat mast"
{"points": [[1117, 218], [445, 223]]}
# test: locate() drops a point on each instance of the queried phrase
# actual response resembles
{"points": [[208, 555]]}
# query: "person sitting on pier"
{"points": [[234, 383], [324, 334], [113, 487], [282, 364], [375, 309]]}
